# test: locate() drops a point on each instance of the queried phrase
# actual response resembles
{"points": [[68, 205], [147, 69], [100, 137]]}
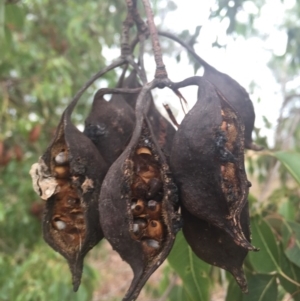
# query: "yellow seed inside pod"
{"points": [[232, 133], [143, 150], [154, 209], [224, 126], [138, 207], [149, 174], [61, 172], [155, 230]]}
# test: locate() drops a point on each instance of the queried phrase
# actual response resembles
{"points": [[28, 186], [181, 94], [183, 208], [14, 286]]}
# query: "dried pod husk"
{"points": [[68, 177], [207, 160], [215, 246], [142, 242], [162, 128], [110, 125], [238, 98]]}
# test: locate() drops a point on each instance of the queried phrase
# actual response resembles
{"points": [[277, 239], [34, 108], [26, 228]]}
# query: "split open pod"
{"points": [[207, 161], [137, 204], [238, 98], [68, 177]]}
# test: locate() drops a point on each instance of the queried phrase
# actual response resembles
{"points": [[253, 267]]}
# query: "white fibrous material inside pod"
{"points": [[43, 183]]}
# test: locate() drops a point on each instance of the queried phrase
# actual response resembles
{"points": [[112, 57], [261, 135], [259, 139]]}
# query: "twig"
{"points": [[293, 295], [140, 24], [127, 24], [171, 115], [118, 62], [160, 67], [121, 79], [187, 47], [181, 98], [138, 70]]}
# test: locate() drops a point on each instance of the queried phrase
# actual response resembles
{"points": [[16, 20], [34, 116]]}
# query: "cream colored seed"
{"points": [[152, 243], [60, 225], [61, 158]]}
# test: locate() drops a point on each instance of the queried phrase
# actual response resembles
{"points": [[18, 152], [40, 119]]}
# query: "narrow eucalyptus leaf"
{"points": [[193, 272], [291, 241], [261, 287], [291, 160], [267, 259], [290, 276]]}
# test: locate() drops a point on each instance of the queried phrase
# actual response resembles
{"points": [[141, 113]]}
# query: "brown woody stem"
{"points": [[171, 115], [160, 67], [127, 24], [139, 22], [104, 91], [187, 47], [118, 62]]}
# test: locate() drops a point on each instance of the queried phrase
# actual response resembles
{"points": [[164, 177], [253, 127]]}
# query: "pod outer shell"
{"points": [[163, 130], [110, 125], [87, 169], [197, 155], [238, 98], [215, 246], [116, 218]]}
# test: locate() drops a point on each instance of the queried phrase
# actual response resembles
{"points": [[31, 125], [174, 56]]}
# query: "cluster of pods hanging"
{"points": [[132, 178]]}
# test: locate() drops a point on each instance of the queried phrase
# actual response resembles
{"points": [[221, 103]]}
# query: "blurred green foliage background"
{"points": [[48, 49]]}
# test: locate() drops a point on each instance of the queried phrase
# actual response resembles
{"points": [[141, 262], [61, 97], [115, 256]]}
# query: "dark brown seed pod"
{"points": [[68, 177], [110, 125], [162, 128], [215, 246], [144, 248], [239, 99], [208, 163]]}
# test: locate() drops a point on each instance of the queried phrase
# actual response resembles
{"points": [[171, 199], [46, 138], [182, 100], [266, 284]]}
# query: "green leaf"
{"points": [[293, 272], [234, 292], [267, 259], [261, 288], [291, 241], [14, 17], [287, 210], [2, 20], [178, 294], [193, 271], [291, 160]]}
